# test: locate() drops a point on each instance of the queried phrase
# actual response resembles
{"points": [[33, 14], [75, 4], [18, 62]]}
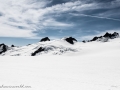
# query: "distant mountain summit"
{"points": [[45, 39], [70, 40], [111, 36], [105, 37]]}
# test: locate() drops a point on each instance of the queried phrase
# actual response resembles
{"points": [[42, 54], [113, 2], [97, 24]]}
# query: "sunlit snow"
{"points": [[84, 66]]}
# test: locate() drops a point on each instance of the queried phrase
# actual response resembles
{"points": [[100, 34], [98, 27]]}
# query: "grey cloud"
{"points": [[1, 14], [114, 13]]}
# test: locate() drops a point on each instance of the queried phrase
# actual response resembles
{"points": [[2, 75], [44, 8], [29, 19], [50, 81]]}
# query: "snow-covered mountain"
{"points": [[41, 48], [64, 46], [104, 38], [79, 66]]}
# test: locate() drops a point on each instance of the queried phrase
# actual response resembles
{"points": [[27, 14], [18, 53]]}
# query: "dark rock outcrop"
{"points": [[28, 44], [3, 48], [114, 35], [44, 39], [105, 37], [38, 51], [12, 46], [111, 36], [95, 38], [84, 41], [71, 40]]}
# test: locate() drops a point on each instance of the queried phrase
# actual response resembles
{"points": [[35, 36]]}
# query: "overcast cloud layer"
{"points": [[58, 18]]}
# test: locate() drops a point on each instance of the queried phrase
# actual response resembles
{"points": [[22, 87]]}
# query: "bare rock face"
{"points": [[71, 40], [111, 36], [12, 45], [37, 51], [95, 38], [84, 41], [106, 37], [3, 48], [115, 35], [44, 39]]}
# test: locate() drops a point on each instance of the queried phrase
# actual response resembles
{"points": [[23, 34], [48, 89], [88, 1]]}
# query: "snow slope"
{"points": [[62, 47], [51, 48], [94, 66]]}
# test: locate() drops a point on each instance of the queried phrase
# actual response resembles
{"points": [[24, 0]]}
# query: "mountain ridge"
{"points": [[68, 45]]}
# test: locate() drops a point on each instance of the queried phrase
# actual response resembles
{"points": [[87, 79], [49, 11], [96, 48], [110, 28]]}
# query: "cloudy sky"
{"points": [[27, 21]]}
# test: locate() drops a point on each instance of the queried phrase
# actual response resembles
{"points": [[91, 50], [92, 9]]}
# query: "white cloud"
{"points": [[33, 15], [95, 16], [28, 14], [9, 31], [53, 23]]}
